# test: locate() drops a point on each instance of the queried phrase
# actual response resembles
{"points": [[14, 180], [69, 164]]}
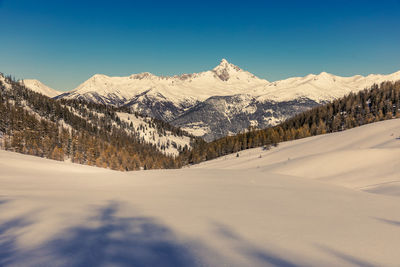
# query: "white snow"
{"points": [[365, 157], [225, 80], [39, 87], [302, 203]]}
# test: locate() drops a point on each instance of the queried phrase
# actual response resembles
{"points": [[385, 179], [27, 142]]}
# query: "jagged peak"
{"points": [[225, 64], [224, 61], [225, 69]]}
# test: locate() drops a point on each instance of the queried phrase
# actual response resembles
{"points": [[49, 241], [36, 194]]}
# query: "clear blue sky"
{"points": [[64, 42]]}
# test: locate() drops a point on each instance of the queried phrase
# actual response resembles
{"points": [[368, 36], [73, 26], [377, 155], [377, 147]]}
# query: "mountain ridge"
{"points": [[221, 72], [174, 98]]}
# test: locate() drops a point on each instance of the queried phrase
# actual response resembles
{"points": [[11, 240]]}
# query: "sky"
{"points": [[64, 42]]}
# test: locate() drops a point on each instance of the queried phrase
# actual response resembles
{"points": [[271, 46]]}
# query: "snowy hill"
{"points": [[39, 87], [364, 157], [305, 203], [180, 99]]}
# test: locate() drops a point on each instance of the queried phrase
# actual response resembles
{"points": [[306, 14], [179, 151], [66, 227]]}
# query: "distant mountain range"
{"points": [[222, 101]]}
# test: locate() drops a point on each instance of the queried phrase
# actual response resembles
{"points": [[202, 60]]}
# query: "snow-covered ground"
{"points": [[365, 158], [305, 202]]}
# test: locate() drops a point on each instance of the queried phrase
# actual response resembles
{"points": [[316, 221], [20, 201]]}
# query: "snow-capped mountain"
{"points": [[221, 101], [166, 97], [39, 87], [225, 79]]}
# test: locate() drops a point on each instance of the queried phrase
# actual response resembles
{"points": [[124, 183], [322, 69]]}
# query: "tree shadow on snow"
{"points": [[255, 254], [345, 257], [116, 241], [391, 222], [8, 236], [8, 239], [113, 241]]}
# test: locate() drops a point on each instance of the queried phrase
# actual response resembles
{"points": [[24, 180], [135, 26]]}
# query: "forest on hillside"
{"points": [[83, 132], [380, 102]]}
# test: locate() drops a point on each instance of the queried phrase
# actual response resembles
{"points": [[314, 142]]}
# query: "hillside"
{"points": [[86, 133], [304, 203]]}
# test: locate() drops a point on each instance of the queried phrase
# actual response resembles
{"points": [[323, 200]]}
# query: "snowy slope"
{"points": [[39, 87], [245, 211], [364, 158]]}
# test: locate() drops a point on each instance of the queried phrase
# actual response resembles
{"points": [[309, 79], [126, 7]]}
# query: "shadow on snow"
{"points": [[115, 241]]}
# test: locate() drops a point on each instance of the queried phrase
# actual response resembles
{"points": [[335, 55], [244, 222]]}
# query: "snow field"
{"points": [[299, 204]]}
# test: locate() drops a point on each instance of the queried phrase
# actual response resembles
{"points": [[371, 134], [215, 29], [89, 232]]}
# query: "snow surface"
{"points": [[304, 203], [363, 158], [39, 87]]}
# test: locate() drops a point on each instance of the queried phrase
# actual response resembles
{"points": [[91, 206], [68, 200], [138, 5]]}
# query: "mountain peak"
{"points": [[223, 61], [225, 64], [225, 70], [39, 87]]}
